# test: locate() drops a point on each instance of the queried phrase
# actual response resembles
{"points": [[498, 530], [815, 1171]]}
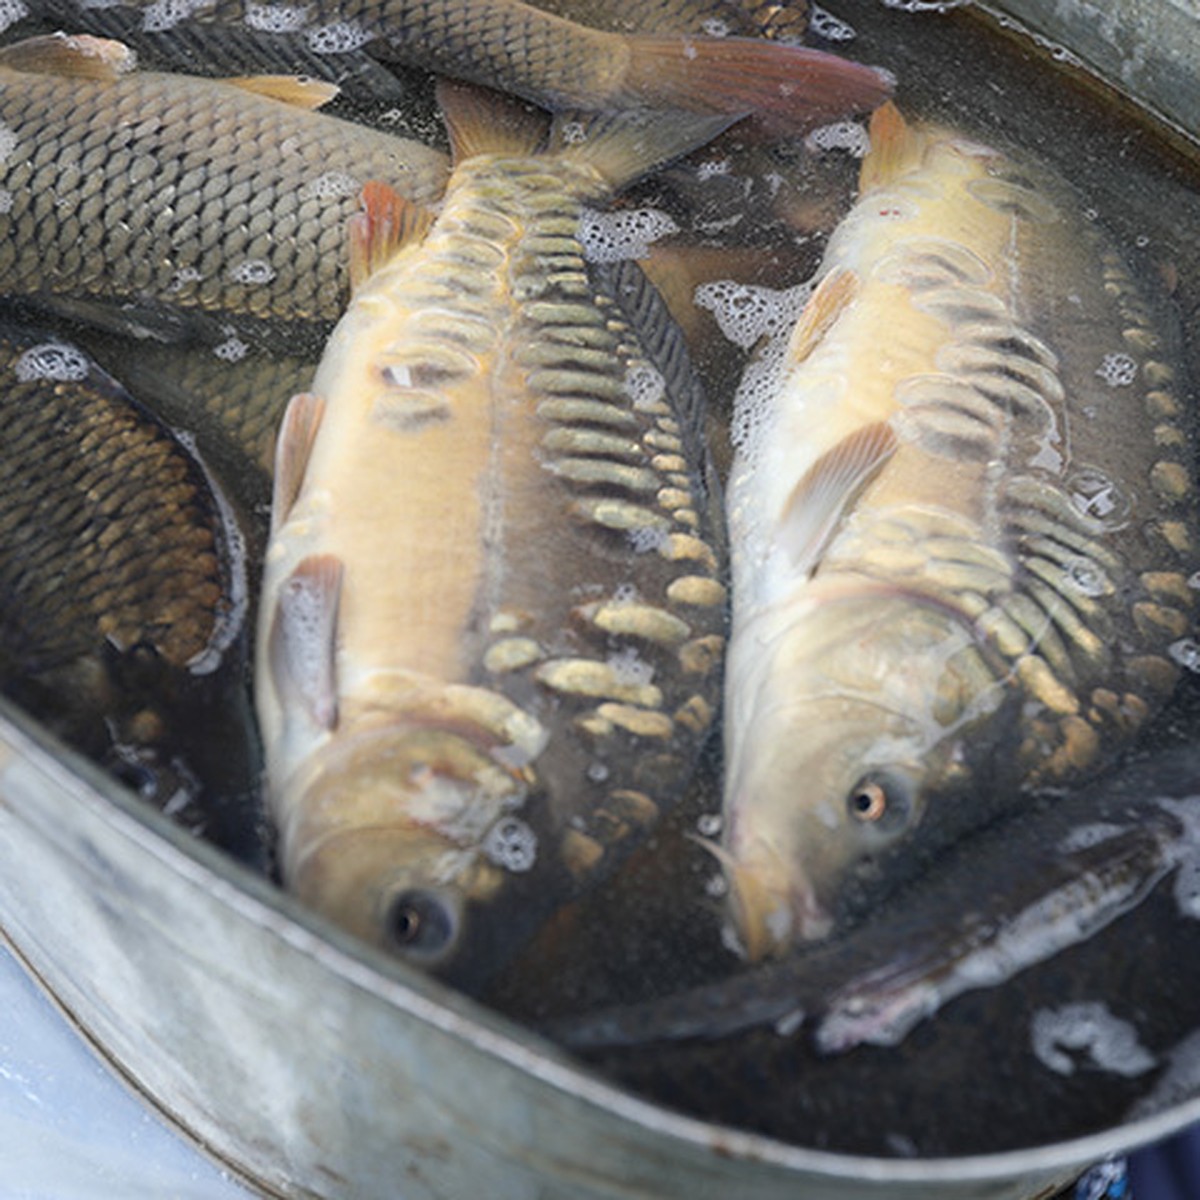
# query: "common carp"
{"points": [[962, 527], [492, 615], [1048, 966], [179, 195], [123, 626], [558, 63]]}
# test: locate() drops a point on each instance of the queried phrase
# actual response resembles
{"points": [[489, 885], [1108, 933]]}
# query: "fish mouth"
{"points": [[772, 910]]}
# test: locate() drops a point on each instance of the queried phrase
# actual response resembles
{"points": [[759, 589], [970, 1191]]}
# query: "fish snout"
{"points": [[772, 907]]}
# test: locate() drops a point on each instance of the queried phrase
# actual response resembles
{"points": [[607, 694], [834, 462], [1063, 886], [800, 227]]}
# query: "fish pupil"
{"points": [[419, 922], [868, 802]]}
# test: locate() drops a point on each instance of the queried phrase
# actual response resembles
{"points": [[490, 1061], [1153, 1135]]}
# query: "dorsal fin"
{"points": [[817, 502], [297, 432], [302, 91], [481, 121], [77, 56], [896, 148], [387, 223], [824, 306]]}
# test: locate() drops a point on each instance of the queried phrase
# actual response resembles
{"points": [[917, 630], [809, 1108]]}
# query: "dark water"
{"points": [[657, 928]]}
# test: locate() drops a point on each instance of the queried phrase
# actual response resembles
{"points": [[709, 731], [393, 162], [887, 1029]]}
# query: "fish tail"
{"points": [[896, 149], [795, 87]]}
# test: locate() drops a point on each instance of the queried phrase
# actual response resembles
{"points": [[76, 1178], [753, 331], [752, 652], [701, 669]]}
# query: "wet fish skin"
{"points": [[562, 65], [124, 589], [193, 196], [855, 1044], [947, 600], [490, 636]]}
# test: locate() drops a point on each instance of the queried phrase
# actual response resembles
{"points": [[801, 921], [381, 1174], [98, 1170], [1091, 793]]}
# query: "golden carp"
{"points": [[169, 192], [124, 581], [558, 63], [962, 525], [492, 618]]}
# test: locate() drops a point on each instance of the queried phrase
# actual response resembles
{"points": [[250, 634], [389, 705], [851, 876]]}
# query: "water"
{"points": [[1143, 188]]}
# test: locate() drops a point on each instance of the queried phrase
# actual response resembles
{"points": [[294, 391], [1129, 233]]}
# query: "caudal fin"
{"points": [[793, 87]]}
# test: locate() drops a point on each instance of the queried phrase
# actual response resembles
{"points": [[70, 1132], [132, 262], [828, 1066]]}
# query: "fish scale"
{"points": [[972, 569], [490, 561]]}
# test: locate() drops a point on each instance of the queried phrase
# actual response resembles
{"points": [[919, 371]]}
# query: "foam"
{"points": [[277, 18], [626, 233], [166, 14], [825, 25], [1117, 370], [511, 844], [841, 135], [629, 668], [1109, 1043], [55, 361], [12, 11], [8, 142], [645, 386], [1186, 652], [252, 271], [233, 349], [330, 186], [340, 37]]}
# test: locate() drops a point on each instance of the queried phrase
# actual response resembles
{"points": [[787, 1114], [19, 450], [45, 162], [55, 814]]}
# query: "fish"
{"points": [[1049, 962], [123, 628], [962, 526], [492, 614], [720, 18], [560, 64], [205, 201]]}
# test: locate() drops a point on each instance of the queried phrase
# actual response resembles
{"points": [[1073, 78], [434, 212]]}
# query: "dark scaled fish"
{"points": [[963, 527], [719, 18], [123, 594], [560, 64], [182, 196], [1048, 967], [492, 616]]}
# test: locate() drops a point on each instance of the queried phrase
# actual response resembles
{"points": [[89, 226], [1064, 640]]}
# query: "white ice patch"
{"points": [[1117, 370], [825, 25], [277, 18], [11, 11], [628, 233], [1063, 1036], [511, 844], [252, 271], [55, 361], [645, 386], [841, 135], [166, 14], [338, 38]]}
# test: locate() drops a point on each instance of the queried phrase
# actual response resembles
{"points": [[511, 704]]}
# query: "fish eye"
{"points": [[868, 801], [882, 799], [420, 924]]}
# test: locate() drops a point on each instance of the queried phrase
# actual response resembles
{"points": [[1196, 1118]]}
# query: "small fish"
{"points": [[1063, 933], [962, 525], [123, 579], [492, 619], [198, 197], [563, 65]]}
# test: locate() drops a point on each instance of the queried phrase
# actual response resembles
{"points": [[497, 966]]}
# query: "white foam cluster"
{"points": [[252, 271], [8, 142], [511, 844], [233, 349], [6, 201], [745, 314], [1117, 370], [627, 233], [183, 277], [1186, 652], [277, 18], [11, 11], [713, 168], [55, 361], [629, 668], [340, 37], [1084, 837], [1090, 1029], [330, 186], [166, 14], [1086, 577], [915, 6], [644, 385], [715, 27], [646, 539], [825, 25], [841, 135]]}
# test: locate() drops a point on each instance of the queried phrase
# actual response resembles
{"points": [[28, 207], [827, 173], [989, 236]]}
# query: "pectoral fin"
{"points": [[297, 432], [75, 56], [299, 90], [303, 638], [816, 504], [824, 306], [387, 223]]}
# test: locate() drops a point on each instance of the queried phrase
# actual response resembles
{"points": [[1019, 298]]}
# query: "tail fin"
{"points": [[794, 87]]}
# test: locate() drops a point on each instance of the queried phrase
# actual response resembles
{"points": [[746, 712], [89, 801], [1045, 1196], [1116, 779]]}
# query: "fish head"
{"points": [[400, 838], [852, 758]]}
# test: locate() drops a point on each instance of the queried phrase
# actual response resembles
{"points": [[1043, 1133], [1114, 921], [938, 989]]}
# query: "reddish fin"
{"points": [[78, 56], [387, 223], [796, 87], [896, 149], [298, 90], [824, 306], [816, 504], [481, 121], [294, 444], [303, 639]]}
